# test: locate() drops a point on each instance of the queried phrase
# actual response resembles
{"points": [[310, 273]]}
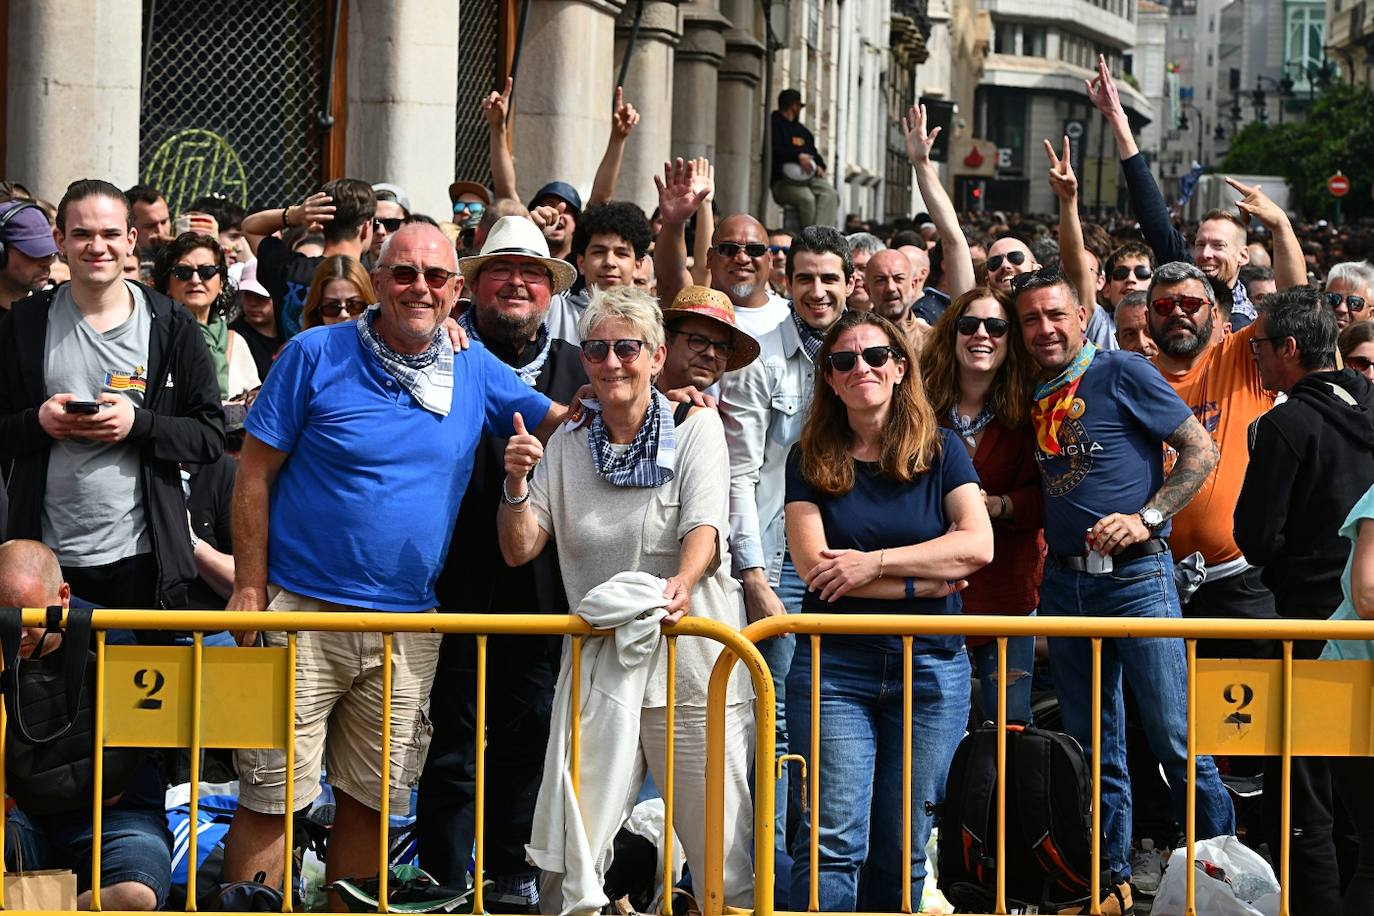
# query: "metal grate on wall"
{"points": [[479, 33], [231, 97]]}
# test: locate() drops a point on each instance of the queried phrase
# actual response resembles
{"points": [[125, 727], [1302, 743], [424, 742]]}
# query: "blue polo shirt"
{"points": [[1112, 451], [364, 505]]}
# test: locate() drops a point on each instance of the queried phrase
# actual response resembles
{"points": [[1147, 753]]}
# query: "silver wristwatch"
{"points": [[1151, 518]]}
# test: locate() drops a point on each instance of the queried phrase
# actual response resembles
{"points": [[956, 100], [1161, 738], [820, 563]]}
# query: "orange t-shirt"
{"points": [[1223, 391]]}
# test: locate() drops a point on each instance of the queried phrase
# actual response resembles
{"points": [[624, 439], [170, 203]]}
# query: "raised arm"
{"points": [[958, 264], [1147, 201], [317, 209], [1073, 256], [1289, 267], [623, 120], [705, 177], [496, 112], [678, 199]]}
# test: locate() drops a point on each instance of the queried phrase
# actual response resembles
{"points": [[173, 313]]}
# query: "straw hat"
{"points": [[715, 305]]}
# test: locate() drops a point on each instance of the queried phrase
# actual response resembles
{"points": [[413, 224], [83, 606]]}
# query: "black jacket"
{"points": [[790, 140], [1311, 459], [181, 421]]}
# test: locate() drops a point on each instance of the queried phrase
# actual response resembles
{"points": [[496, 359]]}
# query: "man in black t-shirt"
{"points": [[343, 208], [511, 294]]}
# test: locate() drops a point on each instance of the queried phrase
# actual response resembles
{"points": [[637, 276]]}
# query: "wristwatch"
{"points": [[1151, 517]]}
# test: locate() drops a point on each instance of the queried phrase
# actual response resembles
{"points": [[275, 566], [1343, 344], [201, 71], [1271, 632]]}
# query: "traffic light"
{"points": [[977, 192]]}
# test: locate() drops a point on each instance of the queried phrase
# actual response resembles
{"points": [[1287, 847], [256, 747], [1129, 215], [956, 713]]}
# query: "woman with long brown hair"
{"points": [[883, 516], [340, 291], [980, 382]]}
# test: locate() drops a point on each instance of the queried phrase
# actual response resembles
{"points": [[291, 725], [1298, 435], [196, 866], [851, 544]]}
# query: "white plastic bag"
{"points": [[1249, 889]]}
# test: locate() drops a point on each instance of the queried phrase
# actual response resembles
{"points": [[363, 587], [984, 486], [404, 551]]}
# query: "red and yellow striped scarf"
{"points": [[1054, 398]]}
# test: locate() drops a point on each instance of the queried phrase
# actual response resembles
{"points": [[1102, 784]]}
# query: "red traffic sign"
{"points": [[1338, 185]]}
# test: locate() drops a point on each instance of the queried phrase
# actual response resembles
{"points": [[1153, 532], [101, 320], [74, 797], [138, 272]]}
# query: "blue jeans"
{"points": [[1020, 658], [860, 769], [135, 846], [777, 652], [1157, 670]]}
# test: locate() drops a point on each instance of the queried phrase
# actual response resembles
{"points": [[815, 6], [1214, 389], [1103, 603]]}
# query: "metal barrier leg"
{"points": [[1190, 888], [384, 844], [197, 660], [1000, 889], [480, 790], [98, 725], [1286, 795], [1095, 903], [906, 774], [814, 901], [290, 827], [667, 787]]}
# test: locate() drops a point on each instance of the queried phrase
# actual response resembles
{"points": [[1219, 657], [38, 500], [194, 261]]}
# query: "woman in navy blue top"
{"points": [[883, 516]]}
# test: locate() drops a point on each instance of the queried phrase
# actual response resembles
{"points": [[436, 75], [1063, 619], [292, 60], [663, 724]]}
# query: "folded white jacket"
{"points": [[573, 832]]}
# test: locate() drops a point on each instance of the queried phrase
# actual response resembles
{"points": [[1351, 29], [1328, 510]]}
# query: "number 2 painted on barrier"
{"points": [[1241, 696], [158, 682]]}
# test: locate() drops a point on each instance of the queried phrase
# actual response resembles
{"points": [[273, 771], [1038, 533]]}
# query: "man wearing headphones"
{"points": [[26, 251]]}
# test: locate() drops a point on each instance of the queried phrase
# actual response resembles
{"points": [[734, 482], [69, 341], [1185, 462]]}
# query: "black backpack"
{"points": [[1048, 849]]}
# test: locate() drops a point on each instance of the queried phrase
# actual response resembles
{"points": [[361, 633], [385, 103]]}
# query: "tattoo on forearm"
{"points": [[1197, 456]]}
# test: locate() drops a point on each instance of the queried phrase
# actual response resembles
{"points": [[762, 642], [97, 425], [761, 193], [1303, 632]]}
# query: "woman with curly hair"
{"points": [[192, 270], [340, 291], [883, 516], [980, 381]]}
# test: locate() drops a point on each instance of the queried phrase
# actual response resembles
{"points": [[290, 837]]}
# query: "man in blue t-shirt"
{"points": [[1100, 420], [358, 452]]}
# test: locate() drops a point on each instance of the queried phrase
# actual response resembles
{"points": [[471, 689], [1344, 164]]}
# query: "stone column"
{"points": [[564, 92], [699, 57], [740, 111], [402, 95], [649, 87], [73, 87]]}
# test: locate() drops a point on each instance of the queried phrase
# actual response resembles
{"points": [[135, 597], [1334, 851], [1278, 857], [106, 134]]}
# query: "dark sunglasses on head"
{"points": [[333, 308], [1141, 271], [700, 343], [1353, 303], [470, 207], [405, 274], [779, 249], [1359, 363], [968, 325], [846, 360], [1045, 276], [1164, 306], [1017, 258], [626, 349], [389, 223], [730, 249], [184, 272]]}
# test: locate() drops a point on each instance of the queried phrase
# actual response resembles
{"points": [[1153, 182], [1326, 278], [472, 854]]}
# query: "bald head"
{"points": [[418, 235], [740, 275], [731, 227], [890, 277], [920, 266], [29, 575]]}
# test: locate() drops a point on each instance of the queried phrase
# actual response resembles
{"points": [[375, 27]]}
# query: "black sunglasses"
{"points": [[1142, 272], [405, 274], [1017, 258], [390, 223], [846, 360], [1353, 303], [1164, 306], [626, 349], [206, 272], [700, 343], [730, 249], [333, 308], [968, 325], [1045, 276]]}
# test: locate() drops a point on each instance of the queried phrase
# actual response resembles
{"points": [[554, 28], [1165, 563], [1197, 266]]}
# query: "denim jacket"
{"points": [[763, 406]]}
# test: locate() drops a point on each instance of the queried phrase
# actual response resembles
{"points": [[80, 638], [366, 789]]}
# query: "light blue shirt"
{"points": [[1362, 649]]}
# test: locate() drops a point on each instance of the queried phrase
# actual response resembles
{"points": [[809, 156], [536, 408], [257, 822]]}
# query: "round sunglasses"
{"points": [[1016, 258], [968, 325], [626, 349], [876, 357]]}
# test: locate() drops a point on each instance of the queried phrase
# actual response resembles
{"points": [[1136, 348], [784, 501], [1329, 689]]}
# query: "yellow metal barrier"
{"points": [[1235, 707], [197, 697]]}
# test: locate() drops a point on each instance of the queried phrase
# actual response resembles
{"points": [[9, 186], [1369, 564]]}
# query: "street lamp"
{"points": [[1201, 126], [1285, 90]]}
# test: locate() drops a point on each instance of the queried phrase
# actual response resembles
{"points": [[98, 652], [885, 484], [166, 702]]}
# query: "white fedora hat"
{"points": [[517, 237]]}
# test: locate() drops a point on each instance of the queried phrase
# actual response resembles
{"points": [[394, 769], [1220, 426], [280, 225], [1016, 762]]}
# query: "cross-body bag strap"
{"points": [[76, 650]]}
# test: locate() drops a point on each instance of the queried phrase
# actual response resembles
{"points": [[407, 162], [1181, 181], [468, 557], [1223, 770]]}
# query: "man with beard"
{"points": [[891, 285], [1219, 246], [512, 284], [26, 251], [763, 407], [738, 259], [1099, 418]]}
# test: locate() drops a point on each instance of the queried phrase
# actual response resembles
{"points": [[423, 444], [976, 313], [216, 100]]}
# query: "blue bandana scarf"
{"points": [[811, 339], [529, 373], [428, 376], [651, 459]]}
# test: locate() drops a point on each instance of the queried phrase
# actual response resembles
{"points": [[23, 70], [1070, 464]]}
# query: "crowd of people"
{"points": [[571, 406]]}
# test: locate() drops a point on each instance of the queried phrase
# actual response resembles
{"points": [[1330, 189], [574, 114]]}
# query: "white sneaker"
{"points": [[1147, 868]]}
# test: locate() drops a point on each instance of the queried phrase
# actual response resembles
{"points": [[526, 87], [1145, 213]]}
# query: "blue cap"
{"points": [[28, 230], [563, 191]]}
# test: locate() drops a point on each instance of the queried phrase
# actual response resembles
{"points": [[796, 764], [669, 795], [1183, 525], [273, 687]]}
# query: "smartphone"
{"points": [[82, 407], [181, 224]]}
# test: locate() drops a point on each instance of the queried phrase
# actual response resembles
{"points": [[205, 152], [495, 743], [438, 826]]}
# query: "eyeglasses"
{"points": [[390, 223], [206, 272], [626, 350], [753, 249], [700, 343], [779, 249], [1017, 258], [968, 325], [405, 274], [1353, 303], [1141, 271], [1256, 341], [1045, 276], [529, 274], [876, 357], [333, 308], [473, 208], [1359, 363], [1164, 306]]}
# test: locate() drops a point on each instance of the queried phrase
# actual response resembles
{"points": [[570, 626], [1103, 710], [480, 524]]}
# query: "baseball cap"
{"points": [[468, 187], [563, 191], [789, 97], [249, 282], [28, 230], [396, 191]]}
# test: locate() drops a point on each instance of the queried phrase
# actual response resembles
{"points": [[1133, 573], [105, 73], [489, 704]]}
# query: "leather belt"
{"points": [[1134, 552]]}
